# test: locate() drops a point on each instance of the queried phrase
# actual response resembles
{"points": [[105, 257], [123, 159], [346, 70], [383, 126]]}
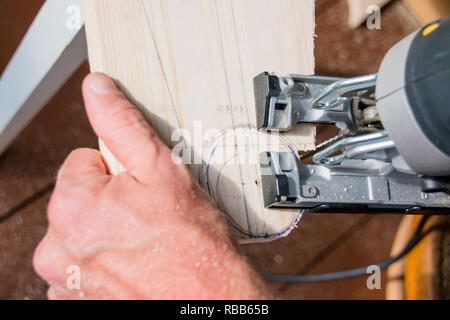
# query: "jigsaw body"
{"points": [[393, 150]]}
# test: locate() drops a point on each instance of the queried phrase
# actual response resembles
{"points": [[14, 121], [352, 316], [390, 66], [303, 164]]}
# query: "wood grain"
{"points": [[190, 64]]}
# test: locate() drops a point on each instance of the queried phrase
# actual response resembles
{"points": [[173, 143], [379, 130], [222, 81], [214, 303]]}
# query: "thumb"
{"points": [[120, 125]]}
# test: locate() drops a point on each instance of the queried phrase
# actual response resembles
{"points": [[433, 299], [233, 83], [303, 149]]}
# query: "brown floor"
{"points": [[321, 243]]}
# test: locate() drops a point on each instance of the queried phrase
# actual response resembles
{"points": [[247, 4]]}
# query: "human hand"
{"points": [[148, 233]]}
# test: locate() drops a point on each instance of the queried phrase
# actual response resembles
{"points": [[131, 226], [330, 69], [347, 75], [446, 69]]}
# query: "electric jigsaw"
{"points": [[393, 150]]}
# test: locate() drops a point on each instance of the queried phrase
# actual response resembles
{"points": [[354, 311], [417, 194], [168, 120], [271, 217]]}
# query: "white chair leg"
{"points": [[51, 51]]}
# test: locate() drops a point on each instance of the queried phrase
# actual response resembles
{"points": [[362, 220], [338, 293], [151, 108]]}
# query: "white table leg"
{"points": [[51, 51]]}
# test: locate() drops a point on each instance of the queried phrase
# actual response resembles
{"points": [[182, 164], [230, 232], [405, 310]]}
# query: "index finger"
{"points": [[120, 125]]}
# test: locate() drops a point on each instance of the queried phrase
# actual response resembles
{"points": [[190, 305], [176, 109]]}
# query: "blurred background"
{"points": [[321, 243]]}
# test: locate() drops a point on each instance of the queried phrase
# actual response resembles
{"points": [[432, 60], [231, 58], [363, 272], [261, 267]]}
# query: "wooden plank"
{"points": [[48, 55], [189, 64], [428, 11], [358, 10]]}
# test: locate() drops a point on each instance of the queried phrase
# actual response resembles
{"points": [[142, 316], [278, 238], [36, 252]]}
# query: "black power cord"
{"points": [[415, 239]]}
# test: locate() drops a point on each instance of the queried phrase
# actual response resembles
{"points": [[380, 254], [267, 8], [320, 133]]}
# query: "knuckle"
{"points": [[127, 116], [148, 142], [60, 211], [47, 260], [74, 158], [54, 207], [82, 153], [71, 163], [78, 152], [39, 260]]}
